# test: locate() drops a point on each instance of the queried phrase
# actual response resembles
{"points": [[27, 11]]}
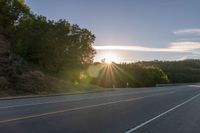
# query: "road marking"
{"points": [[194, 86], [162, 114], [80, 108], [62, 101]]}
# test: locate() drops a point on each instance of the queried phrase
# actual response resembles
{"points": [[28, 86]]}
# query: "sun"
{"points": [[108, 62], [111, 57]]}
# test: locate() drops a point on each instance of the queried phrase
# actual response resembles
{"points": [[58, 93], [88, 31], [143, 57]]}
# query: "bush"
{"points": [[4, 84], [31, 82]]}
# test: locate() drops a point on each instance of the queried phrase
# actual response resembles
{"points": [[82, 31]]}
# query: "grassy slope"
{"points": [[35, 82]]}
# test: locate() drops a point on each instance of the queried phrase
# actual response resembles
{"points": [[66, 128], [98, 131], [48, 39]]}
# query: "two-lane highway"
{"points": [[171, 109]]}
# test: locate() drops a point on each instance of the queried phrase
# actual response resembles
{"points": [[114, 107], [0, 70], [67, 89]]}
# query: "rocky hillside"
{"points": [[18, 78], [11, 66], [6, 72], [4, 58]]}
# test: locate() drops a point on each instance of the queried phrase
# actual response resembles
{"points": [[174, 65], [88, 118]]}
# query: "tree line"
{"points": [[186, 71], [145, 73], [65, 50], [53, 46], [124, 75]]}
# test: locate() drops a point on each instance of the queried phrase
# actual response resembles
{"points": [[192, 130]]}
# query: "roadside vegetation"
{"points": [[37, 52], [42, 56]]}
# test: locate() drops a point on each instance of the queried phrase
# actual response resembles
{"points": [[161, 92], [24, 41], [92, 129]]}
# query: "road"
{"points": [[172, 109]]}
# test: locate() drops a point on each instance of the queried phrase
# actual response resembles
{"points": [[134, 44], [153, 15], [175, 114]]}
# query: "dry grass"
{"points": [[35, 82]]}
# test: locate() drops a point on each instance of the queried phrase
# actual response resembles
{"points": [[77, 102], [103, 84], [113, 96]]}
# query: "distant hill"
{"points": [[186, 71]]}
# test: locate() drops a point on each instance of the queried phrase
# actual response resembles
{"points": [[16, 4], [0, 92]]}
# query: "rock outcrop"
{"points": [[11, 66], [4, 57], [4, 64]]}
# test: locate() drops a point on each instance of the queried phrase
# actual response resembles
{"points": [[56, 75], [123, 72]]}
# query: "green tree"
{"points": [[11, 11], [54, 46]]}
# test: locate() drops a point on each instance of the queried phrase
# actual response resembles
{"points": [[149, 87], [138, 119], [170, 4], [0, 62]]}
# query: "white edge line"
{"points": [[79, 108], [160, 115]]}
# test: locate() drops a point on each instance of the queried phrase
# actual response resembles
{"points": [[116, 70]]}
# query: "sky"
{"points": [[132, 30]]}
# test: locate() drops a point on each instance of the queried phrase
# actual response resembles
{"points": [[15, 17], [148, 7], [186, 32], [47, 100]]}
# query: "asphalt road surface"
{"points": [[172, 109]]}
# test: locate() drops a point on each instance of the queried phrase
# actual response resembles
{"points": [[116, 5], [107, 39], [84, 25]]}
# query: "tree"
{"points": [[131, 75], [54, 46], [11, 11]]}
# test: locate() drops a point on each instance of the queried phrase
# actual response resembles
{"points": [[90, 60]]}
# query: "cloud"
{"points": [[184, 46], [187, 32], [128, 48]]}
